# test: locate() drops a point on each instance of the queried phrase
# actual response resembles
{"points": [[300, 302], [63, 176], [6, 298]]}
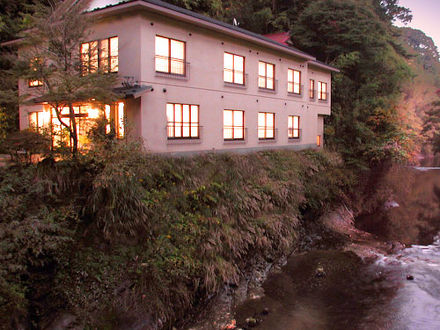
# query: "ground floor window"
{"points": [[38, 120], [85, 118], [318, 140], [233, 124], [266, 125], [182, 121], [293, 125]]}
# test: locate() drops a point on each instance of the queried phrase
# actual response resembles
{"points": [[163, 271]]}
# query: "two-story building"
{"points": [[193, 83]]}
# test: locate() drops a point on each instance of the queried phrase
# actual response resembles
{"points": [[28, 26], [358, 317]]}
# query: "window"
{"points": [[266, 75], [233, 125], [322, 91], [233, 71], [182, 121], [100, 54], [318, 140], [266, 125], [170, 56], [35, 83], [312, 89], [38, 120], [293, 124], [294, 81], [35, 63]]}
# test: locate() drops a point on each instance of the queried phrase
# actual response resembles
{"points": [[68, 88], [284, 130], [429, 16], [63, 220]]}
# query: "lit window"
{"points": [[182, 121], [266, 125], [34, 66], [100, 54], [233, 71], [294, 81], [233, 125], [312, 89], [170, 56], [38, 120], [293, 124], [322, 91], [318, 140], [120, 124], [266, 75]]}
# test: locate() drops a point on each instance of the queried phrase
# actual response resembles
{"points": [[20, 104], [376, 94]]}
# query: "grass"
{"points": [[120, 236]]}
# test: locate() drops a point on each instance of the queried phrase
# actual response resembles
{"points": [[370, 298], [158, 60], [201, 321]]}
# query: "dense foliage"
{"points": [[121, 234]]}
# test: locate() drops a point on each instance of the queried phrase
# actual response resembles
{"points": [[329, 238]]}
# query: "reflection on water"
{"points": [[335, 290]]}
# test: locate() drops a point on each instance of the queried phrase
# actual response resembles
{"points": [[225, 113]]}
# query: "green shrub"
{"points": [[125, 233]]}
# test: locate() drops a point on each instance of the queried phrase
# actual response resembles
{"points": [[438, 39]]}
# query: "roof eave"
{"points": [[200, 22], [323, 66]]}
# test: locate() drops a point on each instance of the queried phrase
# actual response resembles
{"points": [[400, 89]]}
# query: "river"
{"points": [[333, 289]]}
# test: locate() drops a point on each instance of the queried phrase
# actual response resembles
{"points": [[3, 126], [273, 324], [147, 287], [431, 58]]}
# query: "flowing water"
{"points": [[336, 290]]}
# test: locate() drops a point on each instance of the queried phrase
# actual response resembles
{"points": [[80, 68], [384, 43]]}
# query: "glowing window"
{"points": [[182, 121], [38, 120], [100, 54], [233, 71], [34, 66], [293, 126], [294, 81], [322, 91], [318, 140], [233, 125], [266, 125], [170, 56], [266, 75]]}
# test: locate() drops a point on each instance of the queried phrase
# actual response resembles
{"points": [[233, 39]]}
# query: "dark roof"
{"points": [[211, 20]]}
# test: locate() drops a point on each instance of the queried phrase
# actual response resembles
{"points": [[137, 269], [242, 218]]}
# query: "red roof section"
{"points": [[280, 37]]}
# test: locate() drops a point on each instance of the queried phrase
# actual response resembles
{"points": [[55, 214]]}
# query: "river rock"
{"points": [[252, 322], [320, 271]]}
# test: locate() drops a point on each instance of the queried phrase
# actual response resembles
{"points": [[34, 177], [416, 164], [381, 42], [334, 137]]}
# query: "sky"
{"points": [[426, 17]]}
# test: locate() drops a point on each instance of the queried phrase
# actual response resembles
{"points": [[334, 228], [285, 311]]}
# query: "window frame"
{"points": [[169, 58], [312, 89], [190, 123], [233, 127], [322, 96], [265, 128], [38, 127], [109, 57], [265, 76], [233, 69], [293, 83], [291, 130]]}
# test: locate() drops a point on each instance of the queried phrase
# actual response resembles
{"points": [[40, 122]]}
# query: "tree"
{"points": [[431, 126], [50, 54], [364, 126]]}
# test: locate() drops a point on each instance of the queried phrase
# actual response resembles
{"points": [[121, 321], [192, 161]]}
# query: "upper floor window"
{"points": [[322, 91], [266, 125], [100, 54], [233, 71], [294, 81], [34, 66], [312, 89], [233, 125], [182, 121], [293, 125], [170, 56], [266, 75], [35, 83]]}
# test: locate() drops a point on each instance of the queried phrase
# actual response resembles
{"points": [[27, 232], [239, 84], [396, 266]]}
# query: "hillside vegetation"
{"points": [[121, 237]]}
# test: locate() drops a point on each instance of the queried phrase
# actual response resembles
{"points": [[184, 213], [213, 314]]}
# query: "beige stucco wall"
{"points": [[205, 86]]}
